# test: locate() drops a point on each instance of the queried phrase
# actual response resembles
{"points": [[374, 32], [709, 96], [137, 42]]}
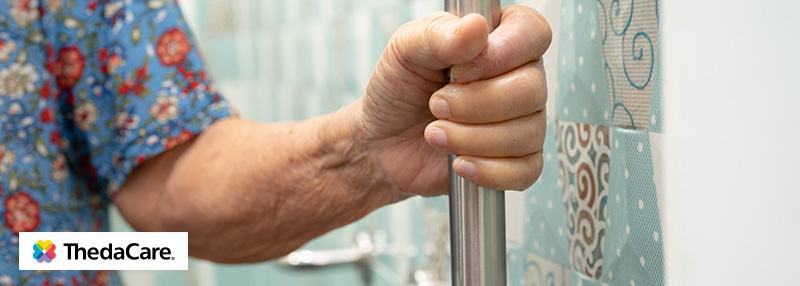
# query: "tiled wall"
{"points": [[594, 216]]}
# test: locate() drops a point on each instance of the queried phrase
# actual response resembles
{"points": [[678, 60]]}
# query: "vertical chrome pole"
{"points": [[477, 214]]}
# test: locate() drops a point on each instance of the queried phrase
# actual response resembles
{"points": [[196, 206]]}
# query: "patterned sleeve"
{"points": [[136, 86]]}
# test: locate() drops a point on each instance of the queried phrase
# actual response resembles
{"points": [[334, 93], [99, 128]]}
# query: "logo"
{"points": [[44, 251], [104, 250]]}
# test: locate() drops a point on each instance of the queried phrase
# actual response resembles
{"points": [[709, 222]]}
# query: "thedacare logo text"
{"points": [[133, 252]]}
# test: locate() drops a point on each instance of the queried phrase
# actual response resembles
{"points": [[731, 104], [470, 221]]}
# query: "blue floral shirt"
{"points": [[89, 89]]}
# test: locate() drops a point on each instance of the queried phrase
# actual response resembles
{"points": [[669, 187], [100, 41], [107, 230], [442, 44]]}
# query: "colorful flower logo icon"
{"points": [[44, 251]]}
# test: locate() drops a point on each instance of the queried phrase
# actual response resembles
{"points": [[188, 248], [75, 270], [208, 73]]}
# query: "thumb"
{"points": [[440, 40]]}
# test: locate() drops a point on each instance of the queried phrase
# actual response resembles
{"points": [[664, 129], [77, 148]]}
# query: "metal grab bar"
{"points": [[361, 254], [477, 214]]}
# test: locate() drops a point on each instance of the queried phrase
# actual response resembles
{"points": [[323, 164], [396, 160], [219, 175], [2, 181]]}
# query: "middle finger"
{"points": [[520, 92]]}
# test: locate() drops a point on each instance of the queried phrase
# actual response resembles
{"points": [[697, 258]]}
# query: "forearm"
{"points": [[280, 184]]}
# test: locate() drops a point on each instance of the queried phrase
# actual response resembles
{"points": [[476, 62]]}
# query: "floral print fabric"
{"points": [[89, 89]]}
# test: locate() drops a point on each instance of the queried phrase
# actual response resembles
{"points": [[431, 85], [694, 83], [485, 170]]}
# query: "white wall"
{"points": [[732, 199]]}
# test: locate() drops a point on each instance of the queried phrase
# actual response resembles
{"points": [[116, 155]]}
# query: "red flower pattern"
{"points": [[69, 67], [137, 86], [173, 47], [45, 91], [91, 7], [55, 138], [47, 115], [22, 212]]}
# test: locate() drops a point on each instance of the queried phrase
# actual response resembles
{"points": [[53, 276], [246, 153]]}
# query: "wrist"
{"points": [[346, 152]]}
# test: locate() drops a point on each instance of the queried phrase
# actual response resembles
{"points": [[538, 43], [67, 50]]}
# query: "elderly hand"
{"points": [[491, 113]]}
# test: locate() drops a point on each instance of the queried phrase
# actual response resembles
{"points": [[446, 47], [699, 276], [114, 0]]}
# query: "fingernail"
{"points": [[437, 137], [466, 72], [466, 169], [439, 108]]}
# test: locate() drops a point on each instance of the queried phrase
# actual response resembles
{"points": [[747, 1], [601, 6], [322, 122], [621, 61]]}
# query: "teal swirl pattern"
{"points": [[630, 52], [639, 57], [616, 14]]}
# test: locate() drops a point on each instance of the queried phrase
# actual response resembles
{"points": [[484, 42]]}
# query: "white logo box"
{"points": [[177, 255]]}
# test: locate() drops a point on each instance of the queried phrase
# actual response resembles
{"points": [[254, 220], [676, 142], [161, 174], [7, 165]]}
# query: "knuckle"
{"points": [[537, 26], [428, 32], [523, 8], [436, 18], [531, 87], [434, 23], [399, 39], [531, 15], [402, 32]]}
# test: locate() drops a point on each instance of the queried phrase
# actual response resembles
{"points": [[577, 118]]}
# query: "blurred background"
{"points": [[292, 60]]}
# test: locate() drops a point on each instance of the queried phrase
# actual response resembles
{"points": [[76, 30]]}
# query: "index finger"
{"points": [[522, 36]]}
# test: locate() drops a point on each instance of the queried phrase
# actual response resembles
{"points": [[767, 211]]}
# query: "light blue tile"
{"points": [[633, 246], [656, 119], [578, 279], [541, 271], [582, 94], [515, 265]]}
